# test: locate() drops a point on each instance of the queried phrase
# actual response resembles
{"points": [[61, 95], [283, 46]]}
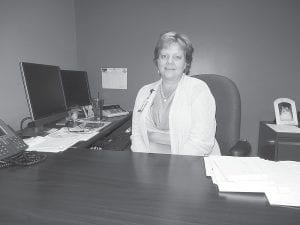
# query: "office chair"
{"points": [[228, 114]]}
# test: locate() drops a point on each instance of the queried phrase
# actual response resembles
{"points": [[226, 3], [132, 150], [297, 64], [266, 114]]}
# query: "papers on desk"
{"points": [[280, 181], [61, 139]]}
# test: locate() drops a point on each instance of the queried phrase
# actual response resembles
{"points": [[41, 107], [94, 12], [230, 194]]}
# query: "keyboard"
{"points": [[95, 125], [116, 143], [89, 126]]}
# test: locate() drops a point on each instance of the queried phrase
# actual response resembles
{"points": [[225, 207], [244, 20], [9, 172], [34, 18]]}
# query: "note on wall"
{"points": [[114, 78]]}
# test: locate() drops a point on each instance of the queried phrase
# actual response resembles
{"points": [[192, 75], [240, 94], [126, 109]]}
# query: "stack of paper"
{"points": [[280, 181]]}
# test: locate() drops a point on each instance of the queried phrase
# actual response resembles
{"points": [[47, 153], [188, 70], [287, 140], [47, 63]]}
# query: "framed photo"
{"points": [[285, 112]]}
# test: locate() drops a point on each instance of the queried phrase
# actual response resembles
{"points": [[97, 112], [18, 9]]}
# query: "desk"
{"points": [[81, 186], [112, 137]]}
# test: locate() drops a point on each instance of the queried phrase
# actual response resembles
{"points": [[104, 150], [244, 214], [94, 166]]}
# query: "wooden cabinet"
{"points": [[278, 146]]}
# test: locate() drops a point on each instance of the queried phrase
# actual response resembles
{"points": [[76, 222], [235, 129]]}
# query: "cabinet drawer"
{"points": [[288, 151]]}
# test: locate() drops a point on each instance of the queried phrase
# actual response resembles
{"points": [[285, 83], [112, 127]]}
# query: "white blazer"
{"points": [[191, 119]]}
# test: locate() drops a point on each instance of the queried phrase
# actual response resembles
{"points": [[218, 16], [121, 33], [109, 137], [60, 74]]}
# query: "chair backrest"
{"points": [[228, 109]]}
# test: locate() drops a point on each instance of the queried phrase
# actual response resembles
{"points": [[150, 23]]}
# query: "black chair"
{"points": [[228, 114]]}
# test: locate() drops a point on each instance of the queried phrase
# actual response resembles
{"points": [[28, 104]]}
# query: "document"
{"points": [[238, 174], [114, 78], [280, 181], [60, 140], [286, 189]]}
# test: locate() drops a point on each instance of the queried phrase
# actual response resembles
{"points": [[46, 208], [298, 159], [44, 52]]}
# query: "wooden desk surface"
{"points": [[81, 186]]}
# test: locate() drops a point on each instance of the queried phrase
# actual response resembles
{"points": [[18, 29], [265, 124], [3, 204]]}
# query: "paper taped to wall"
{"points": [[114, 78]]}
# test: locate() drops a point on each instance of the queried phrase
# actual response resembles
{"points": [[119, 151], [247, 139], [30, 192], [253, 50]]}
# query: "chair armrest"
{"points": [[242, 148]]}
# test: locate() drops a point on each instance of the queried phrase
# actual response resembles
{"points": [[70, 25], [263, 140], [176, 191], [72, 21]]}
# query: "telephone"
{"points": [[12, 149], [10, 143]]}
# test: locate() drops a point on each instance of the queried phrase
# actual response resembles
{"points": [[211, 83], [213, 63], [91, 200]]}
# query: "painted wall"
{"points": [[39, 31], [255, 43]]}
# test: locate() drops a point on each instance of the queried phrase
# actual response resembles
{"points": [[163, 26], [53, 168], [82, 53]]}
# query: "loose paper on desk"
{"points": [[114, 78], [61, 139]]}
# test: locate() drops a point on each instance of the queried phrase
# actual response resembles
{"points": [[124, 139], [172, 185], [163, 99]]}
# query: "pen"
{"points": [[146, 101]]}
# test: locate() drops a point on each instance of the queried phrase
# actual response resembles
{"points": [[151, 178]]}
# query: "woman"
{"points": [[175, 115]]}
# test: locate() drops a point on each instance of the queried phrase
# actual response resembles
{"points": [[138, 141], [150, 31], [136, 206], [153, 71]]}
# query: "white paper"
{"points": [[286, 176], [62, 139], [114, 78], [280, 181], [208, 166], [284, 128], [238, 174]]}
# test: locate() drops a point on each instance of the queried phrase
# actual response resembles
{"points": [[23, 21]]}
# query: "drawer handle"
{"points": [[271, 142]]}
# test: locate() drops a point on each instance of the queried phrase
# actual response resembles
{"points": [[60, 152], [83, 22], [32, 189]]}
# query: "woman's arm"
{"points": [[159, 138], [203, 126]]}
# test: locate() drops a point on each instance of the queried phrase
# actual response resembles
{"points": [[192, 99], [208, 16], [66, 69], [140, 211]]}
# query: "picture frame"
{"points": [[285, 111]]}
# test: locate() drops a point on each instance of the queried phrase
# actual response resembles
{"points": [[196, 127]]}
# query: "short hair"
{"points": [[170, 37]]}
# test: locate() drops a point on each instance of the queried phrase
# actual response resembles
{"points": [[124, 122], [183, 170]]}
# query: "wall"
{"points": [[255, 43], [39, 31]]}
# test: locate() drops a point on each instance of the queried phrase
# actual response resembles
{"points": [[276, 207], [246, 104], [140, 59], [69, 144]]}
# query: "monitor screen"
{"points": [[76, 88], [44, 92]]}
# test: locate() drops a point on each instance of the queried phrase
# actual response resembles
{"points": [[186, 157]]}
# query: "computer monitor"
{"points": [[76, 88], [44, 92]]}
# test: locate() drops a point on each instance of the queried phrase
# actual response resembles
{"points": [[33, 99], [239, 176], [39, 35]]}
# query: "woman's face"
{"points": [[171, 62]]}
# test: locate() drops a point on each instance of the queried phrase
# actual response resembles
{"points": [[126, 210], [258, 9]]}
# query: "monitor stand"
{"points": [[69, 121], [35, 131], [61, 123]]}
